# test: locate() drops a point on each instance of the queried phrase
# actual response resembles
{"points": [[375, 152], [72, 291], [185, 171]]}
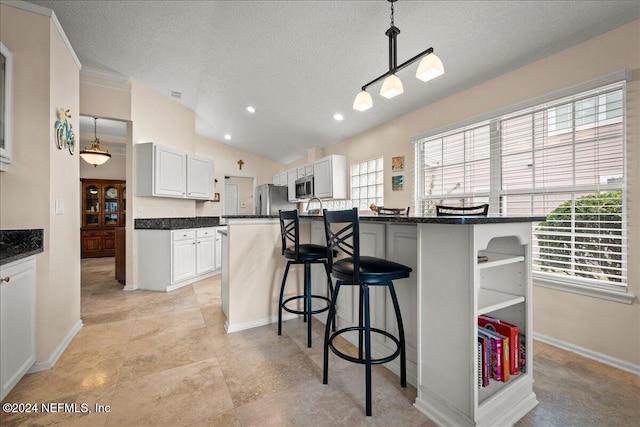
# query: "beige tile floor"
{"points": [[161, 359]]}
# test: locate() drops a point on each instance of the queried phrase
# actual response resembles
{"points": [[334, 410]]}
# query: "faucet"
{"points": [[319, 211]]}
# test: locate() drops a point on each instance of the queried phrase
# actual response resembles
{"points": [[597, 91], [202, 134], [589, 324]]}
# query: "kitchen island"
{"points": [[448, 289]]}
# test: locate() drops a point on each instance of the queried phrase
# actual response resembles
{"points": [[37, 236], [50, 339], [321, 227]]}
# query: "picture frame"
{"points": [[397, 164], [216, 197], [397, 183]]}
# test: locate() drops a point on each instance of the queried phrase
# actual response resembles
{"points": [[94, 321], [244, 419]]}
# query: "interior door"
{"points": [[231, 199]]}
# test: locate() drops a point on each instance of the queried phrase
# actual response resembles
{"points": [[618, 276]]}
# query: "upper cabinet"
{"points": [[330, 177], [167, 172]]}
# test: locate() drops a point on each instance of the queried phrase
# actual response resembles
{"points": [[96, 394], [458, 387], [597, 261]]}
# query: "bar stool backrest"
{"points": [[480, 210], [346, 239], [289, 226]]}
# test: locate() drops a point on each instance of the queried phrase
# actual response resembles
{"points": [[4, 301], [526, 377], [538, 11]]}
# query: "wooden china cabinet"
{"points": [[103, 210]]}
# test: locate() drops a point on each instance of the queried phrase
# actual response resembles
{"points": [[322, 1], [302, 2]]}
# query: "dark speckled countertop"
{"points": [[18, 244], [176, 223], [416, 219]]}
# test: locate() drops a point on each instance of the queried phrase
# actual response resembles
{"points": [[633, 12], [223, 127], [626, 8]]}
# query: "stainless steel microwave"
{"points": [[304, 187]]}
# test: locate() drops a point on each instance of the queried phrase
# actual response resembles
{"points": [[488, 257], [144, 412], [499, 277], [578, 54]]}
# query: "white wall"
{"points": [[46, 77]]}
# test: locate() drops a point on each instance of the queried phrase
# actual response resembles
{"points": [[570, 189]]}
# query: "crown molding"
{"points": [[104, 74]]}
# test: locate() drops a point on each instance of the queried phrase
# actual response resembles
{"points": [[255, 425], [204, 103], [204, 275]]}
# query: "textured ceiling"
{"points": [[299, 62]]}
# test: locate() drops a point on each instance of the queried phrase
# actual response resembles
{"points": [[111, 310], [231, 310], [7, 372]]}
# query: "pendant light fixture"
{"points": [[95, 155], [430, 67]]}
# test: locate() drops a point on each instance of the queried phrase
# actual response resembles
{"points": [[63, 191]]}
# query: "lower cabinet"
{"points": [[98, 242], [170, 259], [17, 321]]}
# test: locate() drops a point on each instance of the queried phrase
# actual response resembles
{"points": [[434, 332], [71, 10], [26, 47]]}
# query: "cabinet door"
{"points": [[199, 178], [111, 205], [205, 248], [218, 252], [91, 193], [17, 322], [322, 180], [183, 260], [170, 172], [292, 175]]}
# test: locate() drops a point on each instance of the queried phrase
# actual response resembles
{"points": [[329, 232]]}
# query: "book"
{"points": [[499, 354], [522, 353], [484, 359], [508, 330]]}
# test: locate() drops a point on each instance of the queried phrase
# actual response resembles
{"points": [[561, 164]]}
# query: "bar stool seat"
{"points": [[364, 272], [306, 252], [372, 270], [301, 253]]}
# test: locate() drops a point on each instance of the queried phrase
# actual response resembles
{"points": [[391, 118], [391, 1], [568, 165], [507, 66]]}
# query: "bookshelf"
{"points": [[454, 289]]}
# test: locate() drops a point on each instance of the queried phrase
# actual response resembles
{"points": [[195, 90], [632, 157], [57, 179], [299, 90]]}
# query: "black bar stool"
{"points": [[362, 271], [306, 254]]}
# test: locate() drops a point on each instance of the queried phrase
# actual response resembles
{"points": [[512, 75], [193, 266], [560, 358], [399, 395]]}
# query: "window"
{"points": [[564, 159], [367, 184]]}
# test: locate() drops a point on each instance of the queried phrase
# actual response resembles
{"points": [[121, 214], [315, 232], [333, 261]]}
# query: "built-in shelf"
{"points": [[489, 300], [496, 260]]}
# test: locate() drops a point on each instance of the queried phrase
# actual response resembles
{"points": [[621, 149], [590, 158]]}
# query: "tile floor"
{"points": [[162, 359]]}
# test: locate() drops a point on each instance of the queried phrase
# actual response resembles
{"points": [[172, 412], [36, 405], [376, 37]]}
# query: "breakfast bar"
{"points": [[463, 267]]}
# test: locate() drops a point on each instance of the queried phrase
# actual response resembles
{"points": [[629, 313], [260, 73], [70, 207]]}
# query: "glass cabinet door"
{"points": [[92, 205], [111, 205], [124, 205]]}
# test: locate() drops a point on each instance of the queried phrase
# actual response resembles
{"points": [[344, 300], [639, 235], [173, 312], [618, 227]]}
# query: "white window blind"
{"points": [[564, 159]]}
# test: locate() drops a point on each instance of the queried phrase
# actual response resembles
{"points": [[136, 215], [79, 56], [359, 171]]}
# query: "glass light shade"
{"points": [[95, 155], [392, 86], [363, 101], [430, 67]]}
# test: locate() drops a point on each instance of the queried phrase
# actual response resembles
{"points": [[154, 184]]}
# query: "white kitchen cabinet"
{"points": [[308, 169], [17, 321], [292, 175], [217, 264], [205, 250], [199, 178], [455, 290], [330, 177], [183, 255], [280, 179], [224, 274], [170, 259], [167, 172]]}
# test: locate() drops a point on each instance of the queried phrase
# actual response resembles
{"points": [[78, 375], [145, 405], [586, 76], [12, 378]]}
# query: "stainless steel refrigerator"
{"points": [[271, 198]]}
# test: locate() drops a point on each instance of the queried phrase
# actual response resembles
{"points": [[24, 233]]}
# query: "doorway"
{"points": [[238, 195]]}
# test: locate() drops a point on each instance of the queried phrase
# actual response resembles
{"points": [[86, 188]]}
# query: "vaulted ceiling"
{"points": [[299, 62]]}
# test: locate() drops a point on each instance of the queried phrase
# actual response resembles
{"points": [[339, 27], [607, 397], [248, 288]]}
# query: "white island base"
{"points": [[440, 302]]}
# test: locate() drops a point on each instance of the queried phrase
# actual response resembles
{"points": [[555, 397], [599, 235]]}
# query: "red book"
{"points": [[508, 330]]}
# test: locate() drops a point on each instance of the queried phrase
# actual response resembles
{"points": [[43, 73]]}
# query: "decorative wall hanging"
{"points": [[64, 131], [240, 163], [397, 164], [397, 183], [216, 197]]}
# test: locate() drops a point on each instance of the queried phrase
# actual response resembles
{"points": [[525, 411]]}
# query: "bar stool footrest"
{"points": [[358, 359], [320, 310]]}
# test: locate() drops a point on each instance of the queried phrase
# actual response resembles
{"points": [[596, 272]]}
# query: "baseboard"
{"points": [[590, 354], [256, 323], [53, 358]]}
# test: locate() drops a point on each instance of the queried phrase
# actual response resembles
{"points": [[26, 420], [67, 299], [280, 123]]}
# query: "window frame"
{"points": [[572, 284]]}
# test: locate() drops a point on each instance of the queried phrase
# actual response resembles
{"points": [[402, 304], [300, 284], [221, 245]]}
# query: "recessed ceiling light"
{"points": [[227, 136], [251, 109], [338, 116]]}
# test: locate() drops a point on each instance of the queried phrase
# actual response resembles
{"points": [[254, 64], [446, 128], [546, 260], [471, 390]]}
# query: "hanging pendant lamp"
{"points": [[430, 67], [95, 155]]}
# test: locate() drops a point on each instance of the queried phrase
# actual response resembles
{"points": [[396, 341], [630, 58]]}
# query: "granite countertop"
{"points": [[18, 244], [176, 223], [415, 219]]}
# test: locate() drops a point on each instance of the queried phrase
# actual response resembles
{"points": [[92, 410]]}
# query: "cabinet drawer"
{"points": [[183, 235], [205, 232], [109, 233], [92, 233]]}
